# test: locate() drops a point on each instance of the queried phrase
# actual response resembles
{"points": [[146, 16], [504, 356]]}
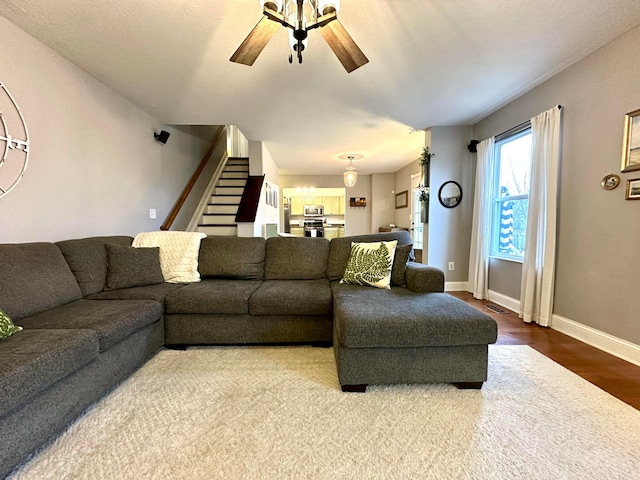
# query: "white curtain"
{"points": [[481, 227], [538, 268]]}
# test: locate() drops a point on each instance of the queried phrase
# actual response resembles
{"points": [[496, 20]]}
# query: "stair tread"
{"points": [[217, 224]]}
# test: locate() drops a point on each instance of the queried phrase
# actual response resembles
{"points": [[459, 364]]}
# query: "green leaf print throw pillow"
{"points": [[7, 328], [370, 264]]}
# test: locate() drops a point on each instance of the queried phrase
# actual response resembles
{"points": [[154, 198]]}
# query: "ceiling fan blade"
{"points": [[255, 42], [349, 54]]}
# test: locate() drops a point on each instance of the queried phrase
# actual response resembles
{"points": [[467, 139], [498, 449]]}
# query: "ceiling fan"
{"points": [[300, 16]]}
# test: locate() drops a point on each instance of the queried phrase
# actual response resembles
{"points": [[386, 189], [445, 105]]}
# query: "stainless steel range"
{"points": [[314, 227]]}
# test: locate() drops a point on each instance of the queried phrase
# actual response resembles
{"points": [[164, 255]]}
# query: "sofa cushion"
{"points": [[367, 317], [34, 277], [213, 296], [232, 257], [36, 359], [87, 258], [112, 320], [292, 297], [400, 260], [132, 267], [291, 258], [156, 292], [370, 264], [341, 249], [7, 327], [178, 253]]}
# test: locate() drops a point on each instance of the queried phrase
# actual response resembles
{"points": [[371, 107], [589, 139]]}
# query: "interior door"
{"points": [[417, 228]]}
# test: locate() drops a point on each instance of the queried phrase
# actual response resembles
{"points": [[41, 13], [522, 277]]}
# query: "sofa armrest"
{"points": [[423, 278]]}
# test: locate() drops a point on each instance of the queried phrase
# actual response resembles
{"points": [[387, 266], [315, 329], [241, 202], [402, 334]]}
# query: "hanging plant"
{"points": [[425, 157], [424, 192]]}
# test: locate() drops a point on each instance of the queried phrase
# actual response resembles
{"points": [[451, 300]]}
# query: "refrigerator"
{"points": [[286, 207]]}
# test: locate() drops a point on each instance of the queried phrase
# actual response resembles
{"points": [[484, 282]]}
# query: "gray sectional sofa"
{"points": [[82, 336]]}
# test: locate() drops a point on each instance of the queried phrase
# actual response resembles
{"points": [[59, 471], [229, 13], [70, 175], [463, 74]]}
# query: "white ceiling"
{"points": [[432, 63]]}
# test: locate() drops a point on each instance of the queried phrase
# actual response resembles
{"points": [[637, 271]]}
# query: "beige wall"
{"points": [[402, 216], [94, 166], [450, 228], [598, 231], [382, 200]]}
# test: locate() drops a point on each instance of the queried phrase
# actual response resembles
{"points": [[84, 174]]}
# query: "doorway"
{"points": [[417, 228]]}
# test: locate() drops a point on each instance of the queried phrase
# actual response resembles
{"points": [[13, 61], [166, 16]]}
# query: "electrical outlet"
{"points": [[152, 213], [451, 266]]}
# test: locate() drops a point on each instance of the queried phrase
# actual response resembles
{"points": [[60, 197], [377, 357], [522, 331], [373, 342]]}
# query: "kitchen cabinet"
{"points": [[297, 231], [330, 205], [333, 205], [333, 232], [297, 205]]}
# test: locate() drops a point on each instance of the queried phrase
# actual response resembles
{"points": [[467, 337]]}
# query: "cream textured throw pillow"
{"points": [[178, 253], [370, 264]]}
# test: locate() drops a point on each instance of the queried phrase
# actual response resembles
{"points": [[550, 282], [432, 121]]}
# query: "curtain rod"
{"points": [[518, 128]]}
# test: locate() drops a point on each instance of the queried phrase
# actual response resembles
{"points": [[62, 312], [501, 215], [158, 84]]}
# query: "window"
{"points": [[512, 166]]}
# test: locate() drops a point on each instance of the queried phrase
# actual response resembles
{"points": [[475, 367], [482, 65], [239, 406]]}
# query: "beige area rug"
{"points": [[278, 413]]}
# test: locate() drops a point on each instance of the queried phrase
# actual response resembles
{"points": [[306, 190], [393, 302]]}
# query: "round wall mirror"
{"points": [[450, 194]]}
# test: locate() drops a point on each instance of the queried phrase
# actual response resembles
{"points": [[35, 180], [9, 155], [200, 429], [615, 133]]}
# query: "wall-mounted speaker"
{"points": [[472, 147], [162, 137]]}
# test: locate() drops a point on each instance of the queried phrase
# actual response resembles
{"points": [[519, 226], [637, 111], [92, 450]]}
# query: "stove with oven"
{"points": [[313, 227]]}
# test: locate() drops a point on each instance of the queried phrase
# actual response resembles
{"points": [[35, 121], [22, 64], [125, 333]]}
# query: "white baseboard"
{"points": [[512, 304], [608, 343], [456, 286], [615, 346]]}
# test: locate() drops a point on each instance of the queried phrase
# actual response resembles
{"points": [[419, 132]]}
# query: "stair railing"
{"points": [[222, 136], [248, 208]]}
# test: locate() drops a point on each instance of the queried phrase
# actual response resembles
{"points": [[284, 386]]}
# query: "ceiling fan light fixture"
{"points": [[327, 6], [301, 16], [272, 4], [293, 42]]}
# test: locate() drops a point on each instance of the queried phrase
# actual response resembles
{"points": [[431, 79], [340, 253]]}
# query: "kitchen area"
{"points": [[314, 212]]}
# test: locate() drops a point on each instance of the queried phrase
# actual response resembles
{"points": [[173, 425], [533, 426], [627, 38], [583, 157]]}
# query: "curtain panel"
{"points": [[481, 226], [538, 268]]}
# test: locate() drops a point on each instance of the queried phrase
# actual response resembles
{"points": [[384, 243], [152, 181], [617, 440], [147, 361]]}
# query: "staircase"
{"points": [[219, 216]]}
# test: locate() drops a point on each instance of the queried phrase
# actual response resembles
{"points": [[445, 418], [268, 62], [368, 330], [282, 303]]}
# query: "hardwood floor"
{"points": [[615, 376]]}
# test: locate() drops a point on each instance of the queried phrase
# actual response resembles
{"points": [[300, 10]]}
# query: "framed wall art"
{"points": [[402, 199], [633, 189], [631, 142]]}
